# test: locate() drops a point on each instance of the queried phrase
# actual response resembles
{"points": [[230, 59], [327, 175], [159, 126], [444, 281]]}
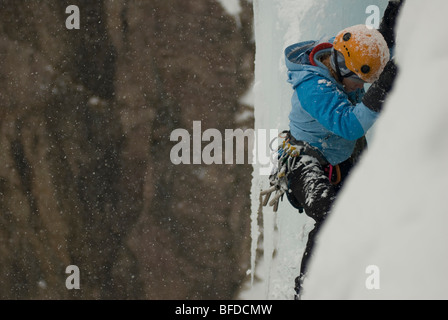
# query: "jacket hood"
{"points": [[299, 65]]}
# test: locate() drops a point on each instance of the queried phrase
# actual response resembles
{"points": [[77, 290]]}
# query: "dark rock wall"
{"points": [[85, 171]]}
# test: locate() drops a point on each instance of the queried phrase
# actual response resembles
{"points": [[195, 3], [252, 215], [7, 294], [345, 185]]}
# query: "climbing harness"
{"points": [[334, 174], [288, 154]]}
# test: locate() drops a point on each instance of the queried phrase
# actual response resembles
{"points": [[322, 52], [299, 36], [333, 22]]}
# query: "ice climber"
{"points": [[331, 113]]}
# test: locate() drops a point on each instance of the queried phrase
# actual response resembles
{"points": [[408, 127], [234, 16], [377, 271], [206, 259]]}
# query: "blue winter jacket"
{"points": [[323, 114]]}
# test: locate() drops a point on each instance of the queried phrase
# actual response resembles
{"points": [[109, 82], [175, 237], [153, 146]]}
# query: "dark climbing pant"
{"points": [[311, 187]]}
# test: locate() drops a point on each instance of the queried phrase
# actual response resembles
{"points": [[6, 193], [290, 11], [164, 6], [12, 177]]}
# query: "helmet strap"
{"points": [[334, 55], [341, 77]]}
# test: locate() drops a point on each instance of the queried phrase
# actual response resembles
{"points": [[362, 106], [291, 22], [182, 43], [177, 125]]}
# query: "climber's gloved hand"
{"points": [[378, 91]]}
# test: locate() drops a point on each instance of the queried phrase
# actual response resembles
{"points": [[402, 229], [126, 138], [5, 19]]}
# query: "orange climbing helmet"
{"points": [[364, 50]]}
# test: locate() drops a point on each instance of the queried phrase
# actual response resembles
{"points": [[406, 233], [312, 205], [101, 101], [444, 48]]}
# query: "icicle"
{"points": [[255, 233]]}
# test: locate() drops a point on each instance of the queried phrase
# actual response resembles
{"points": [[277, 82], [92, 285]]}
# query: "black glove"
{"points": [[387, 26], [377, 93]]}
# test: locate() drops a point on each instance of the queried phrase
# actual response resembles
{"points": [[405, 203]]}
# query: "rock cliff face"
{"points": [[85, 171]]}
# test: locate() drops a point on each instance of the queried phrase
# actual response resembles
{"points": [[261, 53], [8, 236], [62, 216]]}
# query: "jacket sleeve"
{"points": [[389, 21], [330, 106]]}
